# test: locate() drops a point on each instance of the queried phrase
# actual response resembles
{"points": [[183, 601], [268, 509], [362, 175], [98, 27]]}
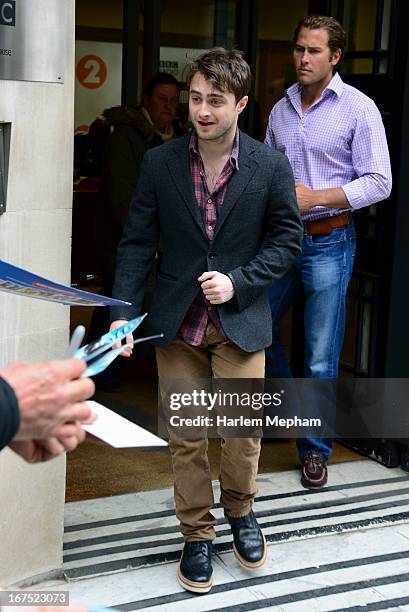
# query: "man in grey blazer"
{"points": [[223, 206]]}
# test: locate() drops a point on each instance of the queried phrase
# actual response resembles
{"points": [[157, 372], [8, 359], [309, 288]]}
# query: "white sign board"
{"points": [[175, 60], [98, 75], [32, 40], [98, 71]]}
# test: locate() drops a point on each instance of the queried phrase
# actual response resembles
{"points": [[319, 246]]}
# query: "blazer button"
{"points": [[212, 255]]}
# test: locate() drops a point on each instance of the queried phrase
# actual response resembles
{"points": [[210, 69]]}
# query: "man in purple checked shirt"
{"points": [[335, 141]]}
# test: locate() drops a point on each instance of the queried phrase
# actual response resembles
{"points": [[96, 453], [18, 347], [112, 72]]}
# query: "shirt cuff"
{"points": [[10, 415], [355, 194]]}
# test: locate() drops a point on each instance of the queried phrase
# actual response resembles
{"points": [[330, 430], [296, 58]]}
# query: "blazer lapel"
{"points": [[239, 181], [180, 172]]}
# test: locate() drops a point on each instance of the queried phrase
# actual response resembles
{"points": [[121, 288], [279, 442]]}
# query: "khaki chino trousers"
{"points": [[239, 456]]}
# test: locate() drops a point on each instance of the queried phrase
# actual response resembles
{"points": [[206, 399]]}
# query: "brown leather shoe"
{"points": [[314, 471]]}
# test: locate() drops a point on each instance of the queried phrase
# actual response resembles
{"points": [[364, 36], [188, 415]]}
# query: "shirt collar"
{"points": [[234, 155], [146, 115], [165, 136], [336, 85]]}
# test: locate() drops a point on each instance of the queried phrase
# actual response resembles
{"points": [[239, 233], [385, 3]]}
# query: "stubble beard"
{"points": [[225, 132]]}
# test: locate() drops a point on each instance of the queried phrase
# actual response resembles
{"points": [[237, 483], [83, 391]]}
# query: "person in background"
{"points": [[134, 130], [334, 138], [42, 407]]}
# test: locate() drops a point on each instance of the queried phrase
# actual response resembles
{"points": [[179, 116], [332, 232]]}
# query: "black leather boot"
{"points": [[195, 568], [249, 543]]}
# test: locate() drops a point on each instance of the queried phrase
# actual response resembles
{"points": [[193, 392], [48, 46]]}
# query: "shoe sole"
{"points": [[310, 485], [194, 587], [249, 565]]}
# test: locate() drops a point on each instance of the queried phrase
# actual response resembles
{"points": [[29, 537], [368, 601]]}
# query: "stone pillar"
{"points": [[35, 233]]}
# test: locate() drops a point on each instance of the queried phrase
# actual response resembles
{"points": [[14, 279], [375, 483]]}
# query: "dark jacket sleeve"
{"points": [[138, 246], [9, 414], [282, 243], [124, 155]]}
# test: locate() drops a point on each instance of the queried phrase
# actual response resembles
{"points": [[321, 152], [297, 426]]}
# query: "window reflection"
{"points": [[274, 73], [386, 24], [360, 22], [362, 65], [367, 23]]}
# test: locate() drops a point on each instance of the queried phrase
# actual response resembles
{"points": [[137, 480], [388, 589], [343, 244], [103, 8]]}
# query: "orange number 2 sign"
{"points": [[91, 71]]}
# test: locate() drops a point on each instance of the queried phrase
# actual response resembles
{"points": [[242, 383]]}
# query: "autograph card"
{"points": [[119, 432]]}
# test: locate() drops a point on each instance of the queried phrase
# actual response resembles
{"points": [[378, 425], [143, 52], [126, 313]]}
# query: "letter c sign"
{"points": [[8, 12]]}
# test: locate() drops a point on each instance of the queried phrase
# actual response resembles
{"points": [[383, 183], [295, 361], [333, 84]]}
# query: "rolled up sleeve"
{"points": [[370, 159]]}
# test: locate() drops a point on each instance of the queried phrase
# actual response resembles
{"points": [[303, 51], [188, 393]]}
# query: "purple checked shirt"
{"points": [[338, 142]]}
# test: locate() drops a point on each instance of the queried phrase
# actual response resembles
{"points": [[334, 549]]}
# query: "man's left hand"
{"points": [[306, 198], [217, 287], [38, 451]]}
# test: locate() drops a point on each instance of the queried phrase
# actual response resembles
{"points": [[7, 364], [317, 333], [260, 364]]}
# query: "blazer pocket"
{"points": [[253, 192], [165, 276]]}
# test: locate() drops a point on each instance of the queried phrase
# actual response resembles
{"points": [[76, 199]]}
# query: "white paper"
{"points": [[119, 432]]}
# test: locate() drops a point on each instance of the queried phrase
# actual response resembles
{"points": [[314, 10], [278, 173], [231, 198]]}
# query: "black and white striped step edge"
{"points": [[331, 495], [78, 515], [153, 538], [355, 571], [334, 584]]}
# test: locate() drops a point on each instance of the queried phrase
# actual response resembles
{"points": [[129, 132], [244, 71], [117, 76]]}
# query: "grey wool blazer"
{"points": [[257, 238]]}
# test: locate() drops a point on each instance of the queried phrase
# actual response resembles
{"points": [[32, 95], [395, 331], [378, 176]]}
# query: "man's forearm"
{"points": [[335, 197], [308, 198]]}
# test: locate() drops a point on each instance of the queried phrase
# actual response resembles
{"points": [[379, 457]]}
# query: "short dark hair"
{"points": [[226, 69], [337, 37], [160, 78]]}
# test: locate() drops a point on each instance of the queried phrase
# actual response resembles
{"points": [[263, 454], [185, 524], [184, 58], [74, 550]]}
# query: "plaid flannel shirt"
{"points": [[194, 325]]}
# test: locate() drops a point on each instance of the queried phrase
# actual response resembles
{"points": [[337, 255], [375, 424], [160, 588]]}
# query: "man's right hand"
{"points": [[50, 397], [127, 352]]}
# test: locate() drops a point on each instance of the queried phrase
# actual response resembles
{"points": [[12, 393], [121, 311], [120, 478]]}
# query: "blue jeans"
{"points": [[322, 272]]}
